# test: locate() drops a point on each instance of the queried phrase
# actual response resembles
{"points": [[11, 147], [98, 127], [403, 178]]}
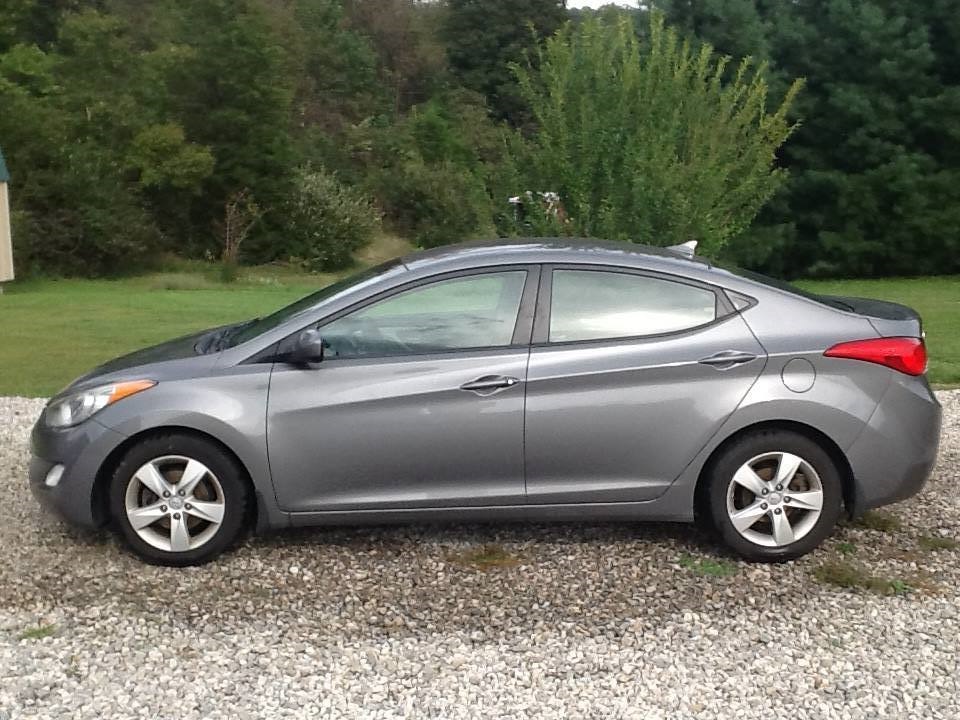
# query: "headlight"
{"points": [[76, 408]]}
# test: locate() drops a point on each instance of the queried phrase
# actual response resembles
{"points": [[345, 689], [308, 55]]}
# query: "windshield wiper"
{"points": [[223, 339]]}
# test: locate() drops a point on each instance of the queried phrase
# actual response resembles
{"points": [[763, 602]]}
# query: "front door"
{"points": [[629, 377], [417, 403]]}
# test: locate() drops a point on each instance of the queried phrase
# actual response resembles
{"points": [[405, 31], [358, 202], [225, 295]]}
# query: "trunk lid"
{"points": [[888, 319]]}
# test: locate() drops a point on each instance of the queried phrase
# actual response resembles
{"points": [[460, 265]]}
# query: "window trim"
{"points": [[522, 330], [541, 324]]}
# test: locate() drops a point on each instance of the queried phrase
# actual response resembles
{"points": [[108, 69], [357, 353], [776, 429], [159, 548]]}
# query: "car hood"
{"points": [[173, 359]]}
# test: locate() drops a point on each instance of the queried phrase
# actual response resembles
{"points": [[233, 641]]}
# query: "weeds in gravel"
{"points": [[487, 556], [846, 548], [39, 632], [846, 574], [928, 542], [879, 521], [708, 566]]}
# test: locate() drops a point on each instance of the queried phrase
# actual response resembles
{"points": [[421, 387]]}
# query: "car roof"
{"points": [[552, 250]]}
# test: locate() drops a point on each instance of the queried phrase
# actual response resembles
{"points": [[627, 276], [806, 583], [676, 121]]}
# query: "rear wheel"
{"points": [[179, 500], [774, 495]]}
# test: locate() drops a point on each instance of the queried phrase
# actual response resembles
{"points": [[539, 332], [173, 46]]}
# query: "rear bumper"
{"points": [[897, 450], [81, 451]]}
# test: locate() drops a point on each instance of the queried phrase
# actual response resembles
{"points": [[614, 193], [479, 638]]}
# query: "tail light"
{"points": [[903, 354]]}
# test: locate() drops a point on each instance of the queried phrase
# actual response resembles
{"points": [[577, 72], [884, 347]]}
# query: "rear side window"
{"points": [[594, 305]]}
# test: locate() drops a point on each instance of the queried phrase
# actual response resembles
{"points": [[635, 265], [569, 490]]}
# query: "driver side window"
{"points": [[473, 311]]}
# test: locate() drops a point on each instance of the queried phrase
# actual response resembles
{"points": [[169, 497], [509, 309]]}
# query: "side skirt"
{"points": [[652, 510]]}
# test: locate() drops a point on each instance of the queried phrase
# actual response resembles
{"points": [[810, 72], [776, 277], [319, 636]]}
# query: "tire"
{"points": [[189, 526], [760, 522]]}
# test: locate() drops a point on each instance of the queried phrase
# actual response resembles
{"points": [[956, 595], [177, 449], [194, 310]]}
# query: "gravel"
{"points": [[613, 621]]}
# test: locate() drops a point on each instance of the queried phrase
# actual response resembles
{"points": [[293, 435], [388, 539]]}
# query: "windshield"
{"points": [[254, 328], [785, 286]]}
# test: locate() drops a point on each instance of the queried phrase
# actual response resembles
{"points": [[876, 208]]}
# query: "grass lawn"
{"points": [[53, 330]]}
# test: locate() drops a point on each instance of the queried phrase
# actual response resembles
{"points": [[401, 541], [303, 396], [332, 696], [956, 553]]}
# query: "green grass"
{"points": [[937, 299], [54, 330], [878, 520], [51, 331], [932, 543], [846, 548], [38, 633], [710, 567], [845, 574]]}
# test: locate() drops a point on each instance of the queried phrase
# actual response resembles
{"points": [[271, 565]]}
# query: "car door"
{"points": [[630, 374], [418, 401]]}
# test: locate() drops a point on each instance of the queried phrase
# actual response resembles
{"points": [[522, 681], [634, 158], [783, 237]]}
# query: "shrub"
{"points": [[646, 139], [435, 204], [326, 221]]}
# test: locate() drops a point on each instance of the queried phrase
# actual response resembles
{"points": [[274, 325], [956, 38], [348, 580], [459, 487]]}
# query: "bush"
{"points": [[645, 140], [435, 204], [326, 221], [80, 218]]}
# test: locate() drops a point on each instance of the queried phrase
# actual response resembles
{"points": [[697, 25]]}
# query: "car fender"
{"points": [[229, 407]]}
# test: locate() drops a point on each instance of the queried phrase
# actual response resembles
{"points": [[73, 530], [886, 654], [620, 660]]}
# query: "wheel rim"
{"points": [[175, 503], [775, 499]]}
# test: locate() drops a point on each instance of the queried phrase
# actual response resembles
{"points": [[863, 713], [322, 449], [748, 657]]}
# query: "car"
{"points": [[533, 380]]}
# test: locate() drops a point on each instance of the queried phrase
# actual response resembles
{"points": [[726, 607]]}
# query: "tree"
{"points": [[484, 36], [412, 61], [875, 188], [231, 90], [644, 141], [733, 27]]}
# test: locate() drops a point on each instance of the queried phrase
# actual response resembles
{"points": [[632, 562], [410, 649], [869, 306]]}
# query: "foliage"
{"points": [[709, 567], [128, 125], [934, 543], [879, 521], [644, 141], [429, 171], [846, 574], [484, 36], [164, 159], [434, 204], [326, 221], [405, 35], [875, 166]]}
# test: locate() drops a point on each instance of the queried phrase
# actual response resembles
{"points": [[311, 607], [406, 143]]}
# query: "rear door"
{"points": [[418, 402], [630, 374]]}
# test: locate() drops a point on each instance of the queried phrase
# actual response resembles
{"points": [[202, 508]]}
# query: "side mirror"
{"points": [[305, 348]]}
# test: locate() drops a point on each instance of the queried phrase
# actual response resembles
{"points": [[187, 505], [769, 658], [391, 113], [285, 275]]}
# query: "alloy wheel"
{"points": [[175, 503], [774, 499]]}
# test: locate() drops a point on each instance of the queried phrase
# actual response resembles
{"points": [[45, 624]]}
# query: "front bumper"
{"points": [[81, 450], [897, 450]]}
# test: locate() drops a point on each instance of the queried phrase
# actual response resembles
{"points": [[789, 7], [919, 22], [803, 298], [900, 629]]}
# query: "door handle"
{"points": [[489, 383], [726, 359]]}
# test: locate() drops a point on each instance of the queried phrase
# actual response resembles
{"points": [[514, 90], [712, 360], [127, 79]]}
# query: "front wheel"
{"points": [[774, 495], [179, 500]]}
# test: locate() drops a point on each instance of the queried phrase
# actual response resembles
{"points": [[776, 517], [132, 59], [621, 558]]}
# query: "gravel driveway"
{"points": [[643, 621]]}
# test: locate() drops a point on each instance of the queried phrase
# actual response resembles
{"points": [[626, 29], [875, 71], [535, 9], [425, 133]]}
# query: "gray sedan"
{"points": [[534, 380]]}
